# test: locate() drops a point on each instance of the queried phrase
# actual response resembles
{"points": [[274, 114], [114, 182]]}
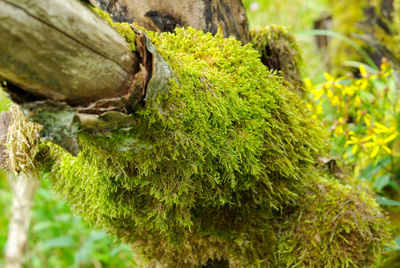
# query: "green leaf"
{"points": [[382, 164], [58, 242], [386, 201], [397, 241], [45, 225], [366, 174], [394, 245], [381, 182], [346, 40], [394, 185]]}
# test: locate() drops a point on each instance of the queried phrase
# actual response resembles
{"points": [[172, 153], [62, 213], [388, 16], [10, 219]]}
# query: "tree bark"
{"points": [[24, 188], [61, 50], [164, 15]]}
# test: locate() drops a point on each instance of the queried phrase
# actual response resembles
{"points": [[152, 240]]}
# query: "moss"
{"points": [[208, 165], [23, 144], [201, 171], [335, 225], [122, 27], [279, 51]]}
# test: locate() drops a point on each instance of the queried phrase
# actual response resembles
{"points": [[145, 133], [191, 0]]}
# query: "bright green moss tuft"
{"points": [[206, 168], [279, 51], [336, 225], [199, 174]]}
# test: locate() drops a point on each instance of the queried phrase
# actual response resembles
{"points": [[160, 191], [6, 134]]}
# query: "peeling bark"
{"points": [[24, 188]]}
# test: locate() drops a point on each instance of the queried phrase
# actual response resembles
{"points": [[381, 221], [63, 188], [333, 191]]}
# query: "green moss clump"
{"points": [[336, 225], [201, 171], [279, 51]]}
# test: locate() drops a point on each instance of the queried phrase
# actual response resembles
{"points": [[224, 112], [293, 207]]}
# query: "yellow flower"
{"points": [[317, 93], [338, 126], [363, 71], [379, 128], [330, 78], [386, 70], [349, 90], [308, 84], [315, 90], [357, 101], [339, 130], [380, 143], [367, 120], [318, 108], [359, 115], [364, 81], [356, 141], [332, 81], [335, 101], [330, 94]]}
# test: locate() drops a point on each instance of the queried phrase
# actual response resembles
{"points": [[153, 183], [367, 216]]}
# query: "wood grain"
{"points": [[61, 50]]}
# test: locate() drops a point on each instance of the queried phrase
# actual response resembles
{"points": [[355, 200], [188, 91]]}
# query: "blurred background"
{"points": [[350, 67]]}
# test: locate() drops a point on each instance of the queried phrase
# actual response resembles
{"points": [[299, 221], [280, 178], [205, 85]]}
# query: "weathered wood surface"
{"points": [[165, 15], [61, 50]]}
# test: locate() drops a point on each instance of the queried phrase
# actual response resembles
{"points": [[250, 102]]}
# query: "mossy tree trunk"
{"points": [[214, 157], [60, 51]]}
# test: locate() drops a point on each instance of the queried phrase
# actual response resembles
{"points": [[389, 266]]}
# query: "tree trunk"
{"points": [[164, 15], [60, 57], [24, 188], [61, 50]]}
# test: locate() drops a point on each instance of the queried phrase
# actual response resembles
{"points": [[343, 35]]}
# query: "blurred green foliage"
{"points": [[57, 238], [5, 203], [60, 239]]}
